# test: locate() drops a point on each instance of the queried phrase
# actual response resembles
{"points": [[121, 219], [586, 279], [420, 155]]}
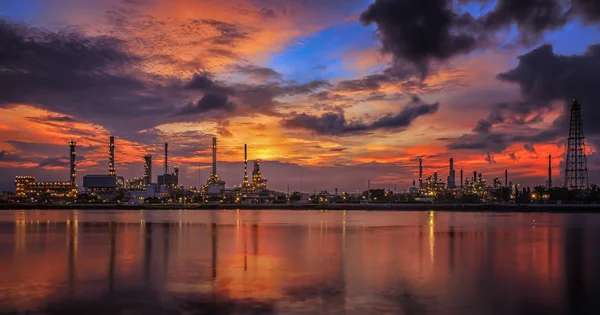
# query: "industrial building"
{"points": [[215, 185], [100, 184], [258, 182], [110, 186], [28, 187], [105, 186], [167, 179]]}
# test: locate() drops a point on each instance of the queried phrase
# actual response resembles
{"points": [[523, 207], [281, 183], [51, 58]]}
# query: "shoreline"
{"points": [[562, 208]]}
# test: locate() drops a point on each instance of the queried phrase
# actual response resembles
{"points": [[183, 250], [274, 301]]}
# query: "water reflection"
{"points": [[285, 262]]}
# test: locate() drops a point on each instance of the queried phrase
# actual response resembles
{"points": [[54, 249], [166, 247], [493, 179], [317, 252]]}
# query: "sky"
{"points": [[327, 93]]}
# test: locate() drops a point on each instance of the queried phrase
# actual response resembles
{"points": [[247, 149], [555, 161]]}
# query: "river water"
{"points": [[298, 262]]}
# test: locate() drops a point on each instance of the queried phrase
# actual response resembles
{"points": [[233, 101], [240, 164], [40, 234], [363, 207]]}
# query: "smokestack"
{"points": [[166, 158], [451, 175], [461, 178], [550, 171], [111, 157], [72, 146], [148, 169], [420, 173], [214, 153], [245, 182], [506, 177], [474, 176]]}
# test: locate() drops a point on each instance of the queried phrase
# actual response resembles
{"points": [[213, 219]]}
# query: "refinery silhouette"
{"points": [[112, 188]]}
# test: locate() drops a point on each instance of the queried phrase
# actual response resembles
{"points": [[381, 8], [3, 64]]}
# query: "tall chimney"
{"points": [[506, 177], [72, 146], [148, 169], [461, 178], [214, 153], [420, 173], [166, 158], [474, 176], [245, 182], [451, 176], [550, 171], [111, 157]]}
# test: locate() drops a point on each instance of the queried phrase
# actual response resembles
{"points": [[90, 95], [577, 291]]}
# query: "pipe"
{"points": [[166, 158], [73, 154], [111, 157], [420, 173], [245, 182], [550, 171], [214, 156], [148, 168]]}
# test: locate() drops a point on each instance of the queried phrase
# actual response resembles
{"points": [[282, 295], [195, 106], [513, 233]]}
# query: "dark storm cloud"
{"points": [[209, 102], [532, 18], [419, 31], [588, 9], [335, 123], [426, 30], [543, 77]]}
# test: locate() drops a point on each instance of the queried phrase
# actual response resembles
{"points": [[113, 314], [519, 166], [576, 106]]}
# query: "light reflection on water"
{"points": [[298, 262]]}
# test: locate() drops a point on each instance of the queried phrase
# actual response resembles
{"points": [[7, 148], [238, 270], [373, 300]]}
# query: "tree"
{"points": [[295, 196]]}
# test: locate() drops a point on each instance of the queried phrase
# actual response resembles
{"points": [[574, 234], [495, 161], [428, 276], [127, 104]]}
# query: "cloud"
{"points": [[62, 161], [227, 34], [543, 77], [336, 124], [258, 73], [420, 31], [532, 18], [6, 156], [490, 158], [209, 102], [588, 9], [491, 142], [245, 99], [483, 126], [529, 148], [423, 31], [83, 76], [513, 156]]}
